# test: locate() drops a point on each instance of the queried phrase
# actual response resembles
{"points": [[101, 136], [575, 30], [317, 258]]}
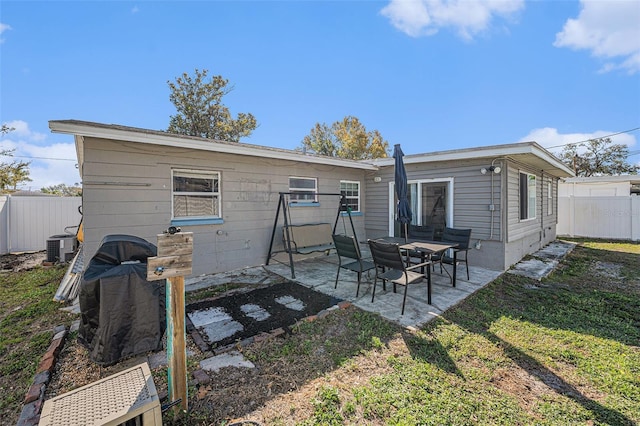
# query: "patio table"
{"points": [[425, 248]]}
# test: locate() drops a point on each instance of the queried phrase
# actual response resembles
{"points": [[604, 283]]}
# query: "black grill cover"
{"points": [[122, 314]]}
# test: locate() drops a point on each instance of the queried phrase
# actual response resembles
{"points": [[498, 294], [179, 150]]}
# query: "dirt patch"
{"points": [[225, 320], [16, 262], [608, 270]]}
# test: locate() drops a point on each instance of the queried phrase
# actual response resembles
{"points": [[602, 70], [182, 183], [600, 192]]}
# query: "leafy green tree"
{"points": [[598, 157], [63, 190], [347, 138], [321, 141], [200, 111], [14, 173]]}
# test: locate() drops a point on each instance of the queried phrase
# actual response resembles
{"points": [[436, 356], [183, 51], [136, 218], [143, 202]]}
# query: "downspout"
{"points": [[492, 202]]}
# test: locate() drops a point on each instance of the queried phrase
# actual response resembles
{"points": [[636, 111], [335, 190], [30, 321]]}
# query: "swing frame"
{"points": [[287, 231]]}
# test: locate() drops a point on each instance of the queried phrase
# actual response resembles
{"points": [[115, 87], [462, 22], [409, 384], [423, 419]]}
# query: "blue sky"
{"points": [[430, 75]]}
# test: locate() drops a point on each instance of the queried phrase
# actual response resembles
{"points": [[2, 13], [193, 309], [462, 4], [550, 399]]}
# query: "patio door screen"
{"points": [[430, 205]]}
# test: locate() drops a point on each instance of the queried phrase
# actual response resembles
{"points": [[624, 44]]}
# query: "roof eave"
{"points": [[83, 129], [495, 151]]}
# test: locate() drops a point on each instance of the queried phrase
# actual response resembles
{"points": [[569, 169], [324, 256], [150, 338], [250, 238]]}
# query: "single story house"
{"points": [[139, 182]]}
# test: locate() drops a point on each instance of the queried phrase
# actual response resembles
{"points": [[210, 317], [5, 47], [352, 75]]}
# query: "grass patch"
{"points": [[27, 318], [561, 351], [212, 292]]}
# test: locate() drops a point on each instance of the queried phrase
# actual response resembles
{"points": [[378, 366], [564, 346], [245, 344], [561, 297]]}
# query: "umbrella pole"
{"points": [[405, 232]]}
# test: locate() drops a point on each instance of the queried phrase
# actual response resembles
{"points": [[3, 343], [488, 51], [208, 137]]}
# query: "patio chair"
{"points": [[390, 265], [422, 233], [462, 237], [347, 247]]}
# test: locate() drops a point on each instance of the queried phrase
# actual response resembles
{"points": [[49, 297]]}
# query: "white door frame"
{"points": [[392, 207]]}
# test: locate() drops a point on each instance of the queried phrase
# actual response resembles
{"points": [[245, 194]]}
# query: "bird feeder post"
{"points": [[173, 262]]}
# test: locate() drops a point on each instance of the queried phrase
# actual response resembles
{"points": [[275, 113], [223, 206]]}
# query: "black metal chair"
{"points": [[462, 237], [347, 247], [422, 233], [390, 266]]}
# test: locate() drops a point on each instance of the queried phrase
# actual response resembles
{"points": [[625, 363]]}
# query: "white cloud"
{"points": [[554, 141], [52, 172], [468, 18], [3, 28], [51, 163], [21, 128], [609, 29]]}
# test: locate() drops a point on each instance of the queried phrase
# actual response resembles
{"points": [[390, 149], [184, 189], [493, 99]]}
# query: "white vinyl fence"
{"points": [[27, 222], [599, 217]]}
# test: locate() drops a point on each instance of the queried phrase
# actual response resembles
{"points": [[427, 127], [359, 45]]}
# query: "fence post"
{"points": [[635, 217], [572, 216]]}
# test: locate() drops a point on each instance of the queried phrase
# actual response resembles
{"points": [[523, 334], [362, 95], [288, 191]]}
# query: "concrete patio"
{"points": [[319, 274]]}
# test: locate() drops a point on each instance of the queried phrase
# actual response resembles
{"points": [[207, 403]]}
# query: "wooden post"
{"points": [[172, 264], [176, 344]]}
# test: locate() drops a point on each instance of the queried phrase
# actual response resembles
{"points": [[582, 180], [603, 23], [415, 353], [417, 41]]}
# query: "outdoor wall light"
{"points": [[377, 179], [494, 169]]}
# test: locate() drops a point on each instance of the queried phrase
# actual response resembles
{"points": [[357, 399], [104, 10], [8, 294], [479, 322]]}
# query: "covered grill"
{"points": [[122, 314]]}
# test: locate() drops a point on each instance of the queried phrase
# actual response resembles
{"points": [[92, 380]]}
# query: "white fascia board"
{"points": [[159, 138], [495, 151], [79, 152]]}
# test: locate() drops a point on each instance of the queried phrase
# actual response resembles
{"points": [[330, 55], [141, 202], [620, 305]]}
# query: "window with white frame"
{"points": [[195, 194], [303, 189], [550, 198], [527, 196], [351, 191]]}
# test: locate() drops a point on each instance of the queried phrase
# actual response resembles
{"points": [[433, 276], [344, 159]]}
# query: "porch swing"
{"points": [[306, 238]]}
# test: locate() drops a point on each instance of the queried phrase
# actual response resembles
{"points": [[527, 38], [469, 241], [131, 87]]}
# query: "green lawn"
{"points": [[519, 352], [27, 318], [564, 351]]}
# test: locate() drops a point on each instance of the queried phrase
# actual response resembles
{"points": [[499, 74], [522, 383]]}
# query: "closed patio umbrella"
{"points": [[402, 189]]}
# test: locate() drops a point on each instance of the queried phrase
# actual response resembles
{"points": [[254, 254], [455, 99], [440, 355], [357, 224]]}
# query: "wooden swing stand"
{"points": [[305, 238]]}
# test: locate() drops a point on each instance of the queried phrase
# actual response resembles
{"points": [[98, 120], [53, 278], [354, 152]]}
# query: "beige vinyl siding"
{"points": [[127, 190], [471, 199], [518, 229], [377, 200], [471, 195], [527, 236]]}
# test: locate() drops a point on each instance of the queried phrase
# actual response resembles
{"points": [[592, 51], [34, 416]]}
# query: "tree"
{"points": [[347, 138], [598, 157], [198, 101], [63, 190], [14, 173]]}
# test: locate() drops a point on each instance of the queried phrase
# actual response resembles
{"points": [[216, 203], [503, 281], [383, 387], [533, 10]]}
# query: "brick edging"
{"points": [[34, 398]]}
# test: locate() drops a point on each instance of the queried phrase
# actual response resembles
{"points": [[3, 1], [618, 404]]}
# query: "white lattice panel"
{"points": [[110, 401]]}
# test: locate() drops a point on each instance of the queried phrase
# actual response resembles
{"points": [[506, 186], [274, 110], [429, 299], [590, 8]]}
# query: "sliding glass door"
{"points": [[431, 204]]}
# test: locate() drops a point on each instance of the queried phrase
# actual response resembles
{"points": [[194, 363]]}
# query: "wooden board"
{"points": [[172, 266], [174, 259], [178, 244]]}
